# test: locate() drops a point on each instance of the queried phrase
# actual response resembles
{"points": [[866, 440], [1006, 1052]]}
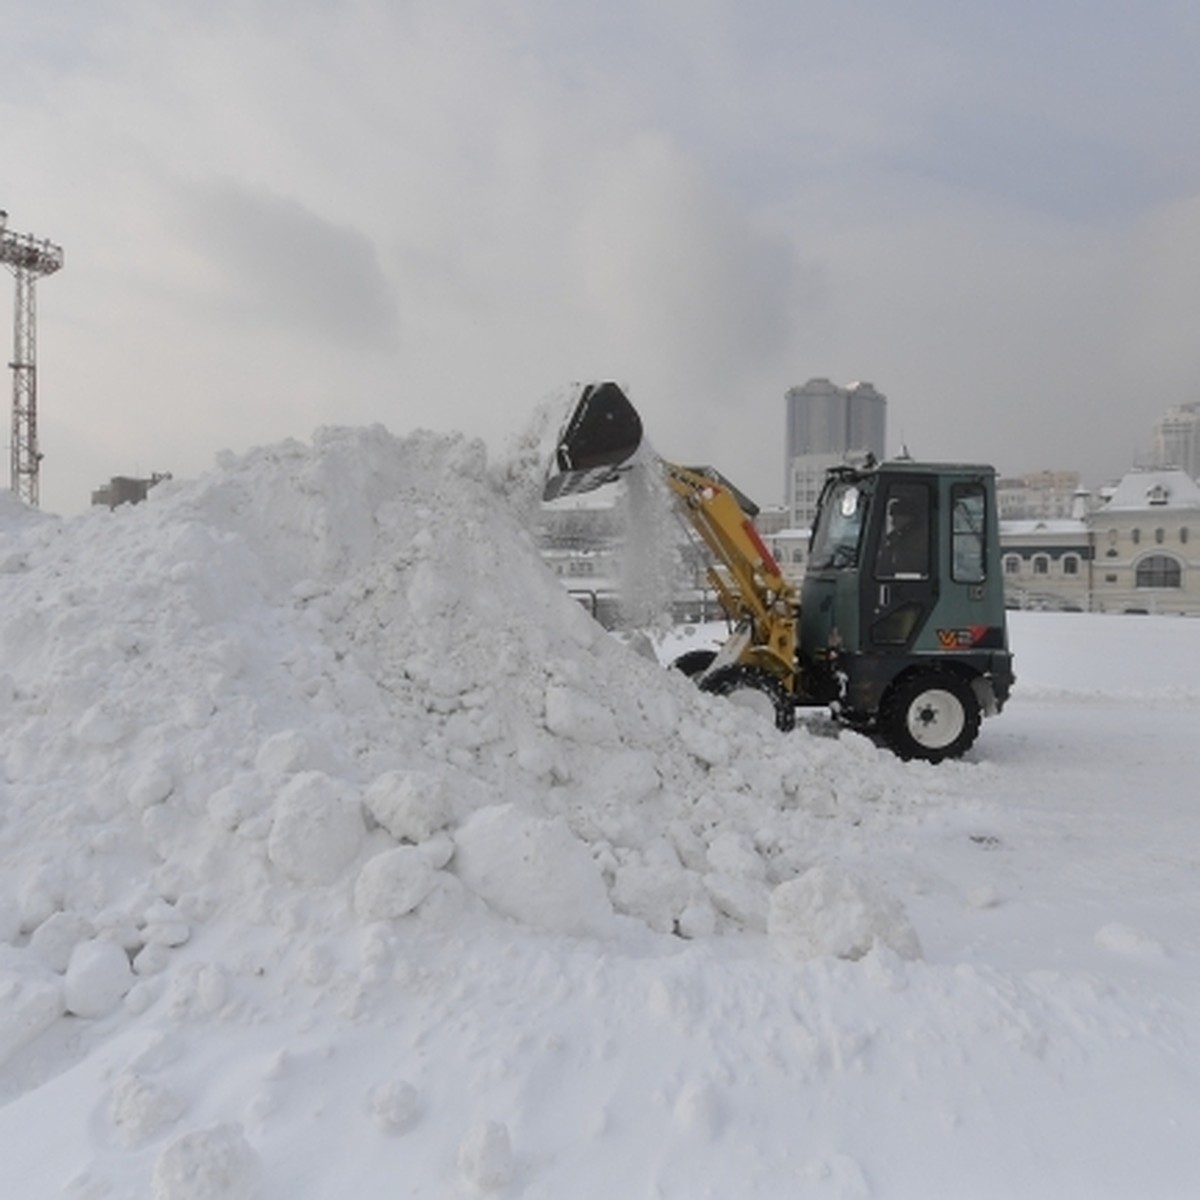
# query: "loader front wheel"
{"points": [[931, 716], [756, 689]]}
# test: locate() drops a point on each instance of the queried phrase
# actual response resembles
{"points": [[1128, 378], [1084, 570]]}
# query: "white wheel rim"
{"points": [[935, 719], [754, 700]]}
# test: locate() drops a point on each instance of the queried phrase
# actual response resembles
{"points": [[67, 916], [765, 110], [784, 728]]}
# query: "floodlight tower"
{"points": [[27, 258]]}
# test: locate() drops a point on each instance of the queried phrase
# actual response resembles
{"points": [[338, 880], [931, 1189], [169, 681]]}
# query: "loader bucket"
{"points": [[599, 440]]}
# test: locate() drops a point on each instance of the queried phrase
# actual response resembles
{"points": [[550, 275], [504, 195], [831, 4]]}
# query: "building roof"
{"points": [[1048, 527], [1163, 487]]}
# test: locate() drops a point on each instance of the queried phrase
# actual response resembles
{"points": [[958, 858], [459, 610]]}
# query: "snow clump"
{"points": [[209, 1164], [829, 911]]}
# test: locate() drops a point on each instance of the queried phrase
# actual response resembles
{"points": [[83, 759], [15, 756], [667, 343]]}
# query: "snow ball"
{"points": [[57, 936], [395, 1106], [317, 830], [98, 976], [392, 884], [571, 714], [411, 805], [828, 911], [210, 1164], [284, 754], [140, 1108], [532, 869], [485, 1156]]}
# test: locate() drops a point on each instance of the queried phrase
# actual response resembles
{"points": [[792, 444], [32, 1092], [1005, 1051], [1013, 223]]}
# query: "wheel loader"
{"points": [[898, 627]]}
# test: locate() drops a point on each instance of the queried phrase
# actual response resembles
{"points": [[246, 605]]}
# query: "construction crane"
{"points": [[28, 258]]}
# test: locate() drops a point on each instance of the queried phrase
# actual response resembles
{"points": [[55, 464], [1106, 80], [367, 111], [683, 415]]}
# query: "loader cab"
{"points": [[904, 584]]}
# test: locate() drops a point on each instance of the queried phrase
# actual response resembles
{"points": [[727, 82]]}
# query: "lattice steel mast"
{"points": [[27, 258]]}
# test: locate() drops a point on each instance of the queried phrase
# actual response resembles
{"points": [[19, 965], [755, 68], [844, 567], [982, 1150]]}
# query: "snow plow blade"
{"points": [[600, 439]]}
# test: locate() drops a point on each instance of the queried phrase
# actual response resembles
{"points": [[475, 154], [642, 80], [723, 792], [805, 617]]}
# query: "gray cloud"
{"points": [[275, 263], [991, 215]]}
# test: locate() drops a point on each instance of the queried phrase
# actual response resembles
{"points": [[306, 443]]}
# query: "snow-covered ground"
{"points": [[342, 855]]}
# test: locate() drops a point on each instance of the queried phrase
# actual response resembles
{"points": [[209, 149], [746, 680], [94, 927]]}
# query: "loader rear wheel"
{"points": [[753, 688], [931, 715]]}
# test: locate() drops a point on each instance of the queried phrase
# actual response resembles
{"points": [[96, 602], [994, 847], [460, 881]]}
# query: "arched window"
{"points": [[1137, 536], [1041, 564], [1070, 564], [1012, 564], [1159, 571], [1160, 535]]}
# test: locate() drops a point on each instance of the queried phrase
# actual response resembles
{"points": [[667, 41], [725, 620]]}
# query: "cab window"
{"points": [[839, 526], [967, 533], [904, 547]]}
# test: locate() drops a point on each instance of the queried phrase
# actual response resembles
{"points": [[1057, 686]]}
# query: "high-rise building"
{"points": [[1177, 439], [825, 424], [823, 418]]}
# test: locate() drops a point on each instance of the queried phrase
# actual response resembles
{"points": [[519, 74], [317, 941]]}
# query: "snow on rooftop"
{"points": [[1163, 487]]}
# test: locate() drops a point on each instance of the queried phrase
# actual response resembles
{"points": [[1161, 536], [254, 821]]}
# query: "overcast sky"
{"points": [[279, 214]]}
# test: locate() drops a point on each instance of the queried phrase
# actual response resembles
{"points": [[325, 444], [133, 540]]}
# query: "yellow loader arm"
{"points": [[747, 579], [601, 439]]}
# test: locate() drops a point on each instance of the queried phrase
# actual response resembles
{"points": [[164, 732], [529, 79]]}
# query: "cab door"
{"points": [[901, 564]]}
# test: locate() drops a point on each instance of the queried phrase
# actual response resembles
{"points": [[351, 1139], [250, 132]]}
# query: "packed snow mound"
{"points": [[322, 653], [342, 668]]}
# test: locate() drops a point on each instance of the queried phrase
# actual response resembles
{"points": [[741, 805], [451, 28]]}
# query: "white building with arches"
{"points": [[1146, 545], [1138, 551]]}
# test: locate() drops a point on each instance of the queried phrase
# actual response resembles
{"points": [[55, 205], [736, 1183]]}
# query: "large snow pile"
{"points": [[345, 667], [312, 760]]}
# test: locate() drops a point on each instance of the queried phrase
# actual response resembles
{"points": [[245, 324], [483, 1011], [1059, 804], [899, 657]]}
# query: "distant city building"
{"points": [[1146, 554], [1137, 552], [826, 424], [1043, 495], [1177, 439], [823, 418], [123, 489], [805, 480]]}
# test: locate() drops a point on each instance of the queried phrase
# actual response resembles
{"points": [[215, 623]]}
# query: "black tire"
{"points": [[694, 662], [755, 688], [931, 715]]}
